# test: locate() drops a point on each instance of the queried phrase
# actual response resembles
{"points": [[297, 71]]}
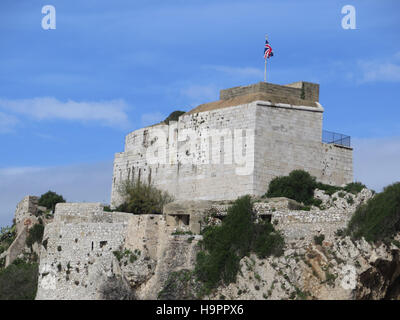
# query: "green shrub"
{"points": [[7, 236], [319, 239], [341, 194], [268, 242], [50, 199], [350, 200], [19, 281], [354, 187], [142, 198], [35, 235], [299, 185], [379, 218], [328, 189], [225, 245], [174, 116]]}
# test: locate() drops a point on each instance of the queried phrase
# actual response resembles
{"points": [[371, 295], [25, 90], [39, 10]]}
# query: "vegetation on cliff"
{"points": [[50, 199], [174, 116], [19, 281], [35, 235], [299, 185], [225, 245], [7, 236], [379, 218], [142, 198]]}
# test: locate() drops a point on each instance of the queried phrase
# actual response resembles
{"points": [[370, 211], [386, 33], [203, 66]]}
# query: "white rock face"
{"points": [[338, 270]]}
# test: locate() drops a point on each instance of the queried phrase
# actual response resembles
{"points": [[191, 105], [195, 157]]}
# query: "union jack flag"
{"points": [[267, 50]]}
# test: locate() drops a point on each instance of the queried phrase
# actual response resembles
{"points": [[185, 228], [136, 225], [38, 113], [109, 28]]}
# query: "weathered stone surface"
{"points": [[277, 136], [26, 216], [334, 271]]}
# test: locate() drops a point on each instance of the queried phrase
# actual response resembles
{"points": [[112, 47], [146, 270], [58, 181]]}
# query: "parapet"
{"points": [[299, 90], [87, 213]]}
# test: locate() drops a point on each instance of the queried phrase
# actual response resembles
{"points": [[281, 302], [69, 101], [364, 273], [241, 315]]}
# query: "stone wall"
{"points": [[26, 208], [191, 166], [276, 139], [295, 90], [289, 138], [77, 256], [77, 260]]}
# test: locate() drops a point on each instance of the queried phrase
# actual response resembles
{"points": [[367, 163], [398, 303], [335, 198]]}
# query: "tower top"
{"points": [[300, 90]]}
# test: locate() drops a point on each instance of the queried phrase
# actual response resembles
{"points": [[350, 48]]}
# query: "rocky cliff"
{"points": [[88, 253]]}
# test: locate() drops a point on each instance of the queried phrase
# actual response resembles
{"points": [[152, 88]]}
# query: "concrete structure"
{"points": [[235, 146]]}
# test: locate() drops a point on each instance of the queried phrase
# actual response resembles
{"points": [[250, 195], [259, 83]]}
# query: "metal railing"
{"points": [[335, 138]]}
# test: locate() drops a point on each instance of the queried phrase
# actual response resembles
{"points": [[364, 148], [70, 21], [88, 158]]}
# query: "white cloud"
{"points": [[152, 118], [90, 182], [385, 70], [376, 161], [109, 113], [15, 171], [7, 123]]}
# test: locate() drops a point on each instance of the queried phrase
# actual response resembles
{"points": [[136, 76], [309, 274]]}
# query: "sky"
{"points": [[69, 95]]}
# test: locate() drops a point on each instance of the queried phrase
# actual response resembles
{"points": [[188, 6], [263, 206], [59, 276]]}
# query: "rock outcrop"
{"points": [[88, 253]]}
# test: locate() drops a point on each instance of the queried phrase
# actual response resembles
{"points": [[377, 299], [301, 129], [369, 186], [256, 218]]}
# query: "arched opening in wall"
{"points": [[129, 173], [139, 174], [133, 173], [92, 245]]}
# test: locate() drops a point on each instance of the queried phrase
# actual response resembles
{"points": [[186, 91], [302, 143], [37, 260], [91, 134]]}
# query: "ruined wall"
{"points": [[26, 208], [77, 256], [77, 259]]}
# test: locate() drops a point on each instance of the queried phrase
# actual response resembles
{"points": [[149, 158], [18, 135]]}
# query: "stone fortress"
{"points": [[210, 156], [235, 146]]}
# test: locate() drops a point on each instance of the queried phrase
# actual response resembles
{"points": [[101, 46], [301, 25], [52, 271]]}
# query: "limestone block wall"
{"points": [[289, 138], [276, 139], [295, 90], [77, 253], [192, 166]]}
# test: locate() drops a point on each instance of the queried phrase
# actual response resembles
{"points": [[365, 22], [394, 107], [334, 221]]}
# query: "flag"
{"points": [[267, 50]]}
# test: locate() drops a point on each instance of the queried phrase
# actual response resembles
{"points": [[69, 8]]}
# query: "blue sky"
{"points": [[68, 96]]}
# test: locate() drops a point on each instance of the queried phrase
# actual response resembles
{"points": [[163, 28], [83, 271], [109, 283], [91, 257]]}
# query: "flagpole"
{"points": [[265, 71]]}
